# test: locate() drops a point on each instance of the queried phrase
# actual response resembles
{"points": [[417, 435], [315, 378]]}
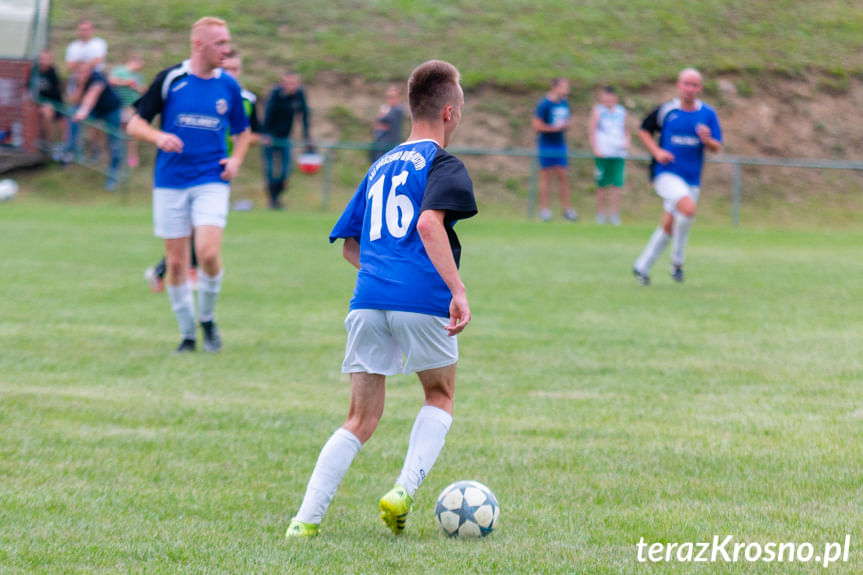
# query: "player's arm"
{"points": [[706, 136], [140, 129], [430, 226], [148, 107], [232, 164], [254, 124], [351, 251], [541, 126], [649, 126], [88, 100]]}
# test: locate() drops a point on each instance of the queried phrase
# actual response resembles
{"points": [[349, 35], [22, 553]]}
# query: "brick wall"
{"points": [[16, 104]]}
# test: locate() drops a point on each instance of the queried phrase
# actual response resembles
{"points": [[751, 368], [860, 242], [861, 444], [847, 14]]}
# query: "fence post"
{"points": [[531, 195], [326, 179], [735, 194]]}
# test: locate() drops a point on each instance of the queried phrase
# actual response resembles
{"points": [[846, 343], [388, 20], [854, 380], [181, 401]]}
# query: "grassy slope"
{"points": [[599, 412], [509, 43]]}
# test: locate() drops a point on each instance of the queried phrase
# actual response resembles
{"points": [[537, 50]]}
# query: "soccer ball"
{"points": [[467, 509], [8, 188]]}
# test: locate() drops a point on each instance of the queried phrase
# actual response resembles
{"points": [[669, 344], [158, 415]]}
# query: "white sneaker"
{"points": [[614, 219], [570, 215], [600, 219], [545, 215]]}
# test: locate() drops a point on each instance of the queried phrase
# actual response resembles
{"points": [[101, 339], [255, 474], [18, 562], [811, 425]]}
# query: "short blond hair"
{"points": [[205, 22]]}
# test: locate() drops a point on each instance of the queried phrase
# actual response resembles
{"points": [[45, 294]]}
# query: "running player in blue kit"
{"points": [[409, 301], [686, 126], [199, 104]]}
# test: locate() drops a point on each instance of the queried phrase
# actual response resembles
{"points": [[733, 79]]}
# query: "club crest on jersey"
{"points": [[221, 106]]}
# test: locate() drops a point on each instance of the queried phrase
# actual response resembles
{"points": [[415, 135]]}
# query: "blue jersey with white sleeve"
{"points": [[201, 112], [396, 273], [677, 134]]}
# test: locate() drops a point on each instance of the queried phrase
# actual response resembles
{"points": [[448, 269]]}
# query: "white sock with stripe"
{"points": [[426, 442]]}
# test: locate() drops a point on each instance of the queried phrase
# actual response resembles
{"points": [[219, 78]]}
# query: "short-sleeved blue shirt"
{"points": [[552, 113], [677, 134], [201, 112], [396, 273]]}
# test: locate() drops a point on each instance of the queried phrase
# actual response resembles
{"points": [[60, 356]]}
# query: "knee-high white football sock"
{"points": [[208, 292], [184, 308], [426, 441], [680, 237], [654, 248], [335, 458]]}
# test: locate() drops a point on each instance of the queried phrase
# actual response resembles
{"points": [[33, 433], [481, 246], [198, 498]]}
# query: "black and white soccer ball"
{"points": [[467, 509]]}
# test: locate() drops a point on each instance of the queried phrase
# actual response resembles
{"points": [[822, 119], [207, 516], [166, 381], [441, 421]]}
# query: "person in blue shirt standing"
{"points": [[551, 121], [409, 301], [686, 127], [198, 104]]}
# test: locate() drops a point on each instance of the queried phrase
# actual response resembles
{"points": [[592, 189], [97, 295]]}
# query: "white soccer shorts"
{"points": [[177, 211], [672, 188], [378, 339]]}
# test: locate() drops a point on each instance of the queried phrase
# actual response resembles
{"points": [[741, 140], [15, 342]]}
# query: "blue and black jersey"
{"points": [[396, 273], [201, 112], [677, 134]]}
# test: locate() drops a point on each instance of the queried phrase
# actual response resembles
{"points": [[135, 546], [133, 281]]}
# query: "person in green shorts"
{"points": [[610, 142]]}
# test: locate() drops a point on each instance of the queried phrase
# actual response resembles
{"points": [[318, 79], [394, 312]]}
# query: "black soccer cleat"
{"points": [[642, 279], [677, 273], [186, 346], [212, 338]]}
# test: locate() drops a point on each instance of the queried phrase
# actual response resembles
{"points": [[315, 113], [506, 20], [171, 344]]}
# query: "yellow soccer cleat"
{"points": [[395, 506], [298, 528]]}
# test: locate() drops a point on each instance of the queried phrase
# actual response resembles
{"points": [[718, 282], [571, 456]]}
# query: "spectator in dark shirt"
{"points": [[50, 91], [287, 101], [99, 102], [387, 129]]}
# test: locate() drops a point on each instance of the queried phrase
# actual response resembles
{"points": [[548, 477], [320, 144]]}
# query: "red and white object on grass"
{"points": [[310, 162]]}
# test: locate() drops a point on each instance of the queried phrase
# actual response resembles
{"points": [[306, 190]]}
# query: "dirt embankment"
{"points": [[779, 117]]}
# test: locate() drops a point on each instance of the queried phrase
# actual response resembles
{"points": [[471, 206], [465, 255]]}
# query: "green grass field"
{"points": [[514, 44], [599, 412]]}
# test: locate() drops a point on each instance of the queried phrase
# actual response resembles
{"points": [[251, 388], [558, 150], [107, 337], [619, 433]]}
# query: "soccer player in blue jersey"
{"points": [[198, 104], [686, 126], [409, 301]]}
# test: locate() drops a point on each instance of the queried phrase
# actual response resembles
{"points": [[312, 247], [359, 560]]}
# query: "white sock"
{"points": [[184, 309], [680, 237], [427, 439], [654, 248], [335, 458], [208, 292]]}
